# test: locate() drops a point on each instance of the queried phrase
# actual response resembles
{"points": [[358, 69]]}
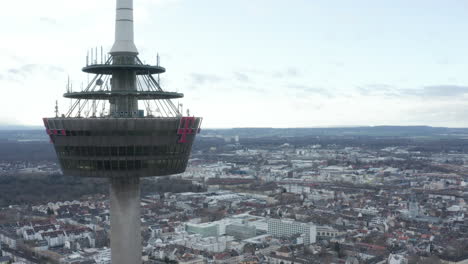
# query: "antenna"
{"points": [[68, 84], [56, 109], [158, 61], [102, 53]]}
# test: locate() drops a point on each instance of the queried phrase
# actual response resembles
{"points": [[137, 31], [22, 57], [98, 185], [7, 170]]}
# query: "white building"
{"points": [[286, 228], [210, 244], [103, 256], [396, 259]]}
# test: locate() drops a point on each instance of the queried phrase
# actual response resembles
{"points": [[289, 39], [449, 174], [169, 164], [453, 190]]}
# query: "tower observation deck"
{"points": [[105, 133]]}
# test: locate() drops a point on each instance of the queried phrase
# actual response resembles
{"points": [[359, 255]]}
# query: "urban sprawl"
{"points": [[277, 202]]}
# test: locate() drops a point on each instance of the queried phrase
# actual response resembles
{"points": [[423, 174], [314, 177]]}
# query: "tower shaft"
{"points": [[125, 220], [124, 80], [124, 29], [124, 192]]}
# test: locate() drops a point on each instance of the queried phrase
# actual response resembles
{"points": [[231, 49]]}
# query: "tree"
{"points": [[50, 211], [168, 261], [424, 260], [337, 247]]}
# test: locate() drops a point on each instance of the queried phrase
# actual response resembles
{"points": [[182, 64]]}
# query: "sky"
{"points": [[254, 63]]}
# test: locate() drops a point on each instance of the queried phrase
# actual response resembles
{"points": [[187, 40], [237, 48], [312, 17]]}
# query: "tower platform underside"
{"points": [[122, 147], [111, 68], [108, 95]]}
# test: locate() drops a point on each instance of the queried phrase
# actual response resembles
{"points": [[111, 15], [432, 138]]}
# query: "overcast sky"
{"points": [[254, 63]]}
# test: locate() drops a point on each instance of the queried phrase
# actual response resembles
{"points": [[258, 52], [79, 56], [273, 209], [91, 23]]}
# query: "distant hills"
{"points": [[375, 131], [19, 127], [378, 131]]}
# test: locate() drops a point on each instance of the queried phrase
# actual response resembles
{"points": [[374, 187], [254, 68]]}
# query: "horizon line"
{"points": [[34, 127]]}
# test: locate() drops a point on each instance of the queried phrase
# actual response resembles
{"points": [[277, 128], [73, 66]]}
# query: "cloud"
{"points": [[254, 89], [160, 2], [304, 89], [200, 78], [441, 113], [288, 73], [48, 20], [32, 68], [372, 89], [437, 91], [14, 71], [378, 89], [22, 72], [443, 61], [293, 72], [241, 77]]}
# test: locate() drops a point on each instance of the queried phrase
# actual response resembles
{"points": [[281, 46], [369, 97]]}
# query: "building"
{"points": [[106, 134], [286, 228], [241, 231], [396, 259], [327, 232], [9, 237], [204, 229], [5, 260], [213, 244], [413, 208], [190, 259]]}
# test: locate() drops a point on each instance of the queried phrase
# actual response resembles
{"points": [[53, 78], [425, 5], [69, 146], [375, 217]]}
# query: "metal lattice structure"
{"points": [[91, 101], [105, 134]]}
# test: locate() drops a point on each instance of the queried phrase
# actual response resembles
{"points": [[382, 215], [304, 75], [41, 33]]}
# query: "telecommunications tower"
{"points": [[122, 126]]}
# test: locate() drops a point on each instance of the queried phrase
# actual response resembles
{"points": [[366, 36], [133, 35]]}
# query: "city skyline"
{"points": [[264, 63]]}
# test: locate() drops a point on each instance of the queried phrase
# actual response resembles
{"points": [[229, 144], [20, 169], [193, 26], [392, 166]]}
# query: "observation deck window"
{"points": [[138, 150], [130, 151], [122, 151], [114, 151], [115, 164], [130, 165], [137, 164], [122, 165], [107, 165]]}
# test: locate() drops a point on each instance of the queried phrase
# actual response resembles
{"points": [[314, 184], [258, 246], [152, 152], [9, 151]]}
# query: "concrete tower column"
{"points": [[125, 220], [124, 29], [124, 52], [123, 80]]}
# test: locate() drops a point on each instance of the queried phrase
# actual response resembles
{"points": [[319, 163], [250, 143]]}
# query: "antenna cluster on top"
{"points": [[69, 87], [98, 91], [96, 56]]}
